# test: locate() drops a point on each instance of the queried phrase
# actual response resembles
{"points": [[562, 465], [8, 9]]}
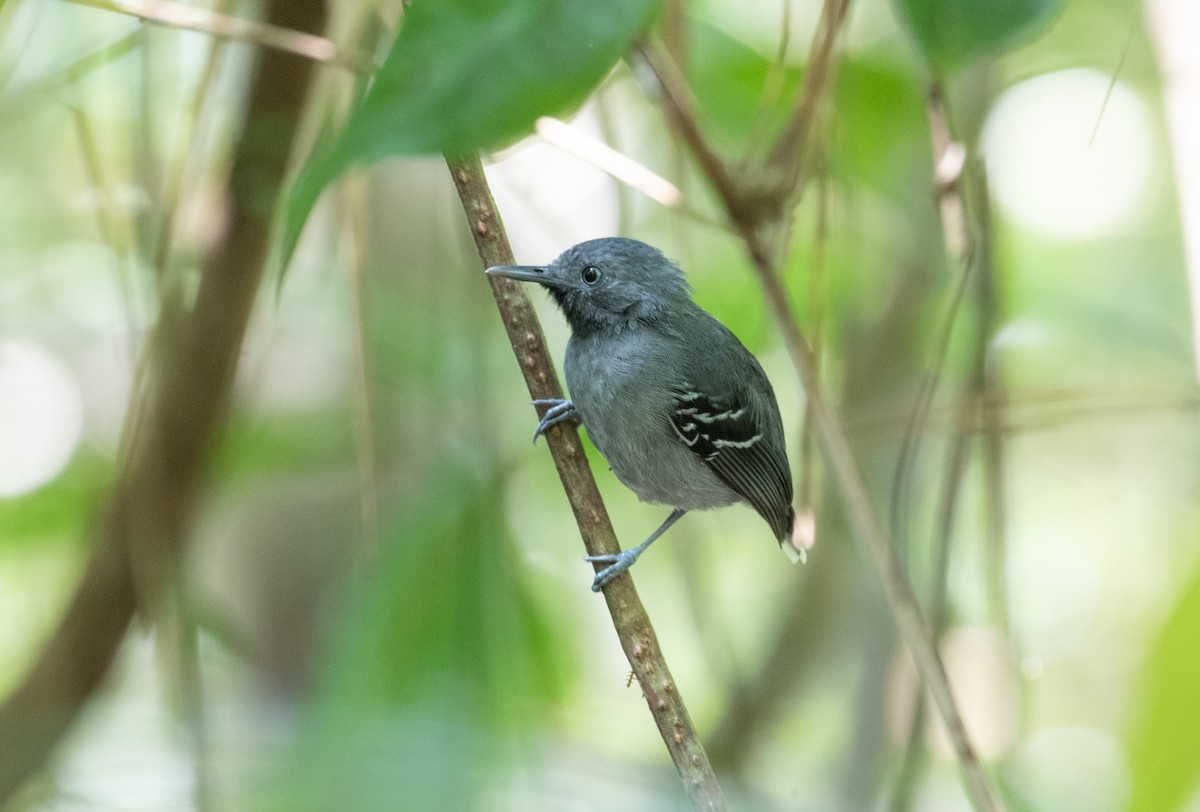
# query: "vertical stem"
{"points": [[994, 413]]}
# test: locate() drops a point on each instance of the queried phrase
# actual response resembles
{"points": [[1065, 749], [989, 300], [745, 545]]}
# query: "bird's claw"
{"points": [[560, 411], [618, 563]]}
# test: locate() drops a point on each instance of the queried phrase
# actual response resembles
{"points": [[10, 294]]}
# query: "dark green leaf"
{"points": [[446, 599], [728, 79], [470, 74], [952, 33], [437, 657]]}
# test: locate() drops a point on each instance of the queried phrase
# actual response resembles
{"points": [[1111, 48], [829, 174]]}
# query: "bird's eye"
{"points": [[590, 275]]}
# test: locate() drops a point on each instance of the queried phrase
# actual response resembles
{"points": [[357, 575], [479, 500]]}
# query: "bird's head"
{"points": [[611, 283]]}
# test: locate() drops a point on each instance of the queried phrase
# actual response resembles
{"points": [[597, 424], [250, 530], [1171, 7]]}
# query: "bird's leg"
{"points": [[624, 560], [560, 411]]}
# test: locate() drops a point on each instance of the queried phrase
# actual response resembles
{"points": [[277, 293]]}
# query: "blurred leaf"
{"points": [[881, 136], [728, 79], [469, 74], [474, 73], [446, 603], [952, 33], [286, 444], [439, 651], [62, 510], [1167, 735]]}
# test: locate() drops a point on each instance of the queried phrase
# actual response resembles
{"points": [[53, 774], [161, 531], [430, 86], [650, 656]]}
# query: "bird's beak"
{"points": [[525, 273]]}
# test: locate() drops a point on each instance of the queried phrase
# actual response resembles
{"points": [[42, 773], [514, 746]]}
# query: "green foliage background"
{"points": [[383, 577]]}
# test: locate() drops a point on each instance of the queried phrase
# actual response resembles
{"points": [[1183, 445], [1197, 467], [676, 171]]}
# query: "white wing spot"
{"points": [[713, 418], [737, 444]]}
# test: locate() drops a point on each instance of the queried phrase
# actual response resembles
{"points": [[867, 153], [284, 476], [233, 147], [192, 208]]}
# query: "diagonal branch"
{"points": [[680, 108], [750, 217], [790, 152], [629, 616]]}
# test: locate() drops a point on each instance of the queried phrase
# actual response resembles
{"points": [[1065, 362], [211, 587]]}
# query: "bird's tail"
{"points": [[799, 536]]}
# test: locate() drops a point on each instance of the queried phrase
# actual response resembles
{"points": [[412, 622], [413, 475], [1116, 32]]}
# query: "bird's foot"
{"points": [[618, 563], [560, 411]]}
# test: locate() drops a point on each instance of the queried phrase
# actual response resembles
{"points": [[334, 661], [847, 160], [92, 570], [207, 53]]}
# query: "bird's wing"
{"points": [[743, 445]]}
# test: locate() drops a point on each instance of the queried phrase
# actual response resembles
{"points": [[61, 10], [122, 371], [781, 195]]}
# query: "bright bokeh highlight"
{"points": [[41, 417], [1063, 161]]}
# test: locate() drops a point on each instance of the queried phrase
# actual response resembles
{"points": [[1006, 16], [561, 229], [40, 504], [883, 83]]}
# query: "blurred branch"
{"points": [[190, 18], [791, 151], [949, 158], [15, 103], [754, 701], [773, 82], [616, 164], [991, 391], [184, 167], [1039, 410], [619, 166], [680, 108], [757, 215], [147, 513], [807, 471], [630, 620], [914, 753]]}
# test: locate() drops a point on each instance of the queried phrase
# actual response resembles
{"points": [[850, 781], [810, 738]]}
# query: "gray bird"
{"points": [[681, 410]]}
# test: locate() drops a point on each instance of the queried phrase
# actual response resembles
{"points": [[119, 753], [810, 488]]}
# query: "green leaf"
{"points": [[465, 75], [437, 657], [952, 33], [1166, 736], [446, 599], [59, 512], [728, 79]]}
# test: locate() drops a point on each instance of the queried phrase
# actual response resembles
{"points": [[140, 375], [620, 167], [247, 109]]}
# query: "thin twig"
{"points": [[185, 165], [189, 18], [15, 104], [1033, 411], [916, 634], [957, 457], [948, 161], [113, 229], [991, 390], [616, 164], [1112, 81], [629, 617], [806, 490], [905, 608], [619, 166], [791, 149], [680, 108], [773, 82], [948, 164]]}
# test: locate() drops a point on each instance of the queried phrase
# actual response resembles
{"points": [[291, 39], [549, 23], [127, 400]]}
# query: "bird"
{"points": [[679, 408]]}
